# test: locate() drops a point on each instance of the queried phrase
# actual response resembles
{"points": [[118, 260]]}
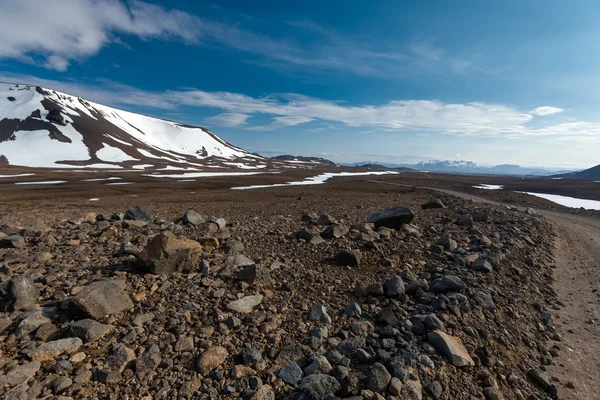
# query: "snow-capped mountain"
{"points": [[45, 128], [447, 165]]}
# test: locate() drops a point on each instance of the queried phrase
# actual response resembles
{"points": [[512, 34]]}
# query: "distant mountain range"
{"points": [[465, 167], [590, 173]]}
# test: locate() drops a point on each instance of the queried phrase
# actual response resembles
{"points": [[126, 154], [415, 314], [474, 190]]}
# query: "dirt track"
{"points": [[576, 283]]}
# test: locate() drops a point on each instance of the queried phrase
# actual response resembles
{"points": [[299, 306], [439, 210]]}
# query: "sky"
{"points": [[511, 82]]}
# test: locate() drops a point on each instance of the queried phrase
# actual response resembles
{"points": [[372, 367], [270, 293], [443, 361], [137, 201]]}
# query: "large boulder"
{"points": [[167, 253], [138, 213], [101, 298], [392, 218], [451, 347], [22, 293]]}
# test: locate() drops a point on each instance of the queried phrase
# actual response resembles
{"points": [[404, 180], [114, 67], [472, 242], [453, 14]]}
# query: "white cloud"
{"points": [[57, 33], [66, 30], [229, 120], [546, 110], [418, 116], [282, 122]]}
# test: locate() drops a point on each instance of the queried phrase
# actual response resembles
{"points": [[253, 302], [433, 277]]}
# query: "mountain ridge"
{"points": [[466, 167], [42, 127]]}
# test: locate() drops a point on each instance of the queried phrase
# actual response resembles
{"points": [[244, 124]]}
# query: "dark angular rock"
{"points": [[394, 287], [447, 283], [348, 257], [291, 373], [465, 220], [89, 330], [482, 265], [138, 213], [378, 378], [317, 386], [252, 273], [543, 380], [392, 218], [12, 242], [448, 244], [251, 356], [433, 203]]}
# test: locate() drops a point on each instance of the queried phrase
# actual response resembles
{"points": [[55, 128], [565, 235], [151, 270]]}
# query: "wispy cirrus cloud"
{"points": [[73, 30], [282, 122], [228, 120], [285, 110]]}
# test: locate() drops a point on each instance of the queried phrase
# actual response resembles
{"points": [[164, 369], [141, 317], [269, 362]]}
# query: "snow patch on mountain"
{"points": [[42, 128]]}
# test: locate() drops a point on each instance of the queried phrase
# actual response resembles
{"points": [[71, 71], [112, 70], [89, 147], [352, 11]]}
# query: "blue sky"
{"points": [[491, 82]]}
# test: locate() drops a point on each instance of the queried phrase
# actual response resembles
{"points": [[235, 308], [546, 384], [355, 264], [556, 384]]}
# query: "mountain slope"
{"points": [[46, 128]]}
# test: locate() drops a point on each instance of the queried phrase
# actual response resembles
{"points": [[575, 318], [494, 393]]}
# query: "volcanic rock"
{"points": [[245, 304], [50, 350], [211, 359], [12, 242], [138, 213], [22, 293], [101, 298], [167, 253], [89, 330], [348, 257], [191, 217], [433, 203], [392, 218], [451, 347]]}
